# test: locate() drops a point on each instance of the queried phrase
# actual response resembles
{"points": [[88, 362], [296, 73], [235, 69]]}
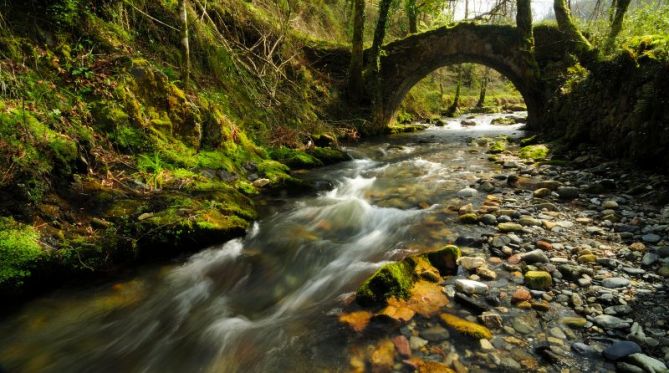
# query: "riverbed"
{"points": [[270, 301]]}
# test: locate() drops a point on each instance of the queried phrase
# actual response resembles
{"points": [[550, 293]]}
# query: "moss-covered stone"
{"points": [[445, 259], [19, 252], [391, 280], [497, 146], [469, 218], [538, 280], [464, 327], [535, 152], [329, 155]]}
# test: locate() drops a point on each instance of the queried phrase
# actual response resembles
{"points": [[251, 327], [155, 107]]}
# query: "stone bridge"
{"points": [[407, 61]]}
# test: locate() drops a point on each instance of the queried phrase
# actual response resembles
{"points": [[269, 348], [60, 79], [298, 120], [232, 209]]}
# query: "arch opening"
{"points": [[456, 89]]}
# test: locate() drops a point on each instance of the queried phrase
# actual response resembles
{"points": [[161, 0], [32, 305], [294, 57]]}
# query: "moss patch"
{"points": [[535, 152], [391, 280], [538, 280], [445, 259], [465, 327], [19, 252]]}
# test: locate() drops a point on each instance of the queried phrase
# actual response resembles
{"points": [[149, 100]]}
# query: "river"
{"points": [[266, 302]]}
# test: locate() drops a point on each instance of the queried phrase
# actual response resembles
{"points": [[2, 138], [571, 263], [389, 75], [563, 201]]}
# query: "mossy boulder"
{"points": [[464, 327], [469, 218], [20, 250], [445, 259], [497, 146], [538, 280], [535, 152], [391, 280], [329, 155]]}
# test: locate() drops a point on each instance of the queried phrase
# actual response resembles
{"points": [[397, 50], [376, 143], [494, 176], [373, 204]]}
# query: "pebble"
{"points": [[510, 227], [610, 322], [567, 192], [467, 193], [435, 334], [651, 238], [648, 363], [416, 342], [471, 287], [621, 349], [471, 262], [610, 205], [534, 256], [615, 282]]}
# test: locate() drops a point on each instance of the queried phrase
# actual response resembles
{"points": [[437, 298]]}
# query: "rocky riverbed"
{"points": [[569, 273]]}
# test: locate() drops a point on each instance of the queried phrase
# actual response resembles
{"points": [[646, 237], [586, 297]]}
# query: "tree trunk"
{"points": [[374, 65], [484, 87], [456, 100], [412, 14], [584, 50], [617, 22], [355, 82], [524, 22], [185, 68]]}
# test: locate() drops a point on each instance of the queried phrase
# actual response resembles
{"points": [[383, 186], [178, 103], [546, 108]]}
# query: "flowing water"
{"points": [[266, 302]]}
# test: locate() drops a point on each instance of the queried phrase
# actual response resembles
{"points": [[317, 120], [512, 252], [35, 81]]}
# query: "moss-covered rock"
{"points": [[20, 251], [464, 327], [538, 280], [445, 259], [391, 280], [329, 155], [535, 152], [469, 218], [497, 146]]}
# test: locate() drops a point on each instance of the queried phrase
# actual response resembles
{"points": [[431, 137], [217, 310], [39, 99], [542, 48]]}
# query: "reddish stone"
{"points": [[521, 295], [514, 259], [402, 346], [543, 245]]}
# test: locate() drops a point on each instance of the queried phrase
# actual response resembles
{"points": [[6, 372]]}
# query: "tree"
{"points": [[379, 36], [484, 87], [524, 22], [411, 9], [583, 48], [356, 83], [619, 9], [185, 67]]}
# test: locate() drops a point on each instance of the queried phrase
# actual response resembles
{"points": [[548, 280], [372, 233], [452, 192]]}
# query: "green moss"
{"points": [[497, 146], [538, 280], [391, 280], [19, 252], [465, 327], [445, 259], [535, 152], [329, 155], [294, 158]]}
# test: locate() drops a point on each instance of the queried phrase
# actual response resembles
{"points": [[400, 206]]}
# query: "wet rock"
{"points": [[486, 273], [488, 219], [394, 279], [610, 322], [521, 326], [262, 182], [534, 256], [574, 322], [471, 287], [567, 192], [491, 319], [445, 259], [471, 262], [465, 327], [649, 259], [648, 363], [467, 193], [544, 245], [435, 334], [510, 227], [538, 280], [541, 193], [402, 346], [620, 350], [470, 303], [416, 343], [529, 221], [651, 238], [624, 367], [610, 205], [486, 345], [615, 282], [521, 295], [583, 349]]}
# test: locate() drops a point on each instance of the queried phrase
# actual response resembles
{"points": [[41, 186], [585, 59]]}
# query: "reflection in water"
{"points": [[261, 303]]}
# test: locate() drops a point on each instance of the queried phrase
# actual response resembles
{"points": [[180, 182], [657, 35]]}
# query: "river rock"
{"points": [[615, 282], [651, 238], [648, 363], [471, 262], [402, 346], [620, 350], [567, 192], [534, 256], [541, 193], [538, 280], [488, 219], [610, 205], [435, 334], [610, 322], [510, 227], [471, 287], [415, 343], [467, 193]]}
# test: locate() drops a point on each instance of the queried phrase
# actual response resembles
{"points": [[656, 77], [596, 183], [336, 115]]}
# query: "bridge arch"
{"points": [[405, 62]]}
